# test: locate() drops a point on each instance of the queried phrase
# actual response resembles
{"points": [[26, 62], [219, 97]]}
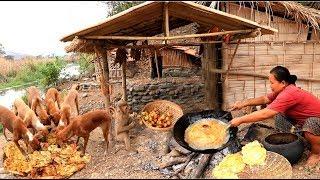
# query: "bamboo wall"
{"points": [[289, 47], [175, 58]]}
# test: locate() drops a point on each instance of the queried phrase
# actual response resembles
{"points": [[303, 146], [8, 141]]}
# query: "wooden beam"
{"points": [[124, 80], [252, 74], [166, 21], [168, 38], [104, 70]]}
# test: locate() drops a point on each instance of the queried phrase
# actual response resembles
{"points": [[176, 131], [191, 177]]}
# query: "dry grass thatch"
{"points": [[80, 45], [301, 13], [289, 9]]}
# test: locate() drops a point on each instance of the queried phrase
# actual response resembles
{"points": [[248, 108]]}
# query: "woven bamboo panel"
{"points": [[276, 167]]}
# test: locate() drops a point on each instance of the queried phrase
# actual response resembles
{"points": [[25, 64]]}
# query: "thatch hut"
{"points": [[143, 22], [294, 46]]}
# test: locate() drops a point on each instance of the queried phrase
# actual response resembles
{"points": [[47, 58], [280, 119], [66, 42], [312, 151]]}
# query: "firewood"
{"points": [[190, 157], [173, 161], [174, 153], [174, 145], [204, 161]]}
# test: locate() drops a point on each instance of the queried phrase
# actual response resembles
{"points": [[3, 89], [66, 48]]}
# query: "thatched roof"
{"points": [[147, 20], [304, 12]]}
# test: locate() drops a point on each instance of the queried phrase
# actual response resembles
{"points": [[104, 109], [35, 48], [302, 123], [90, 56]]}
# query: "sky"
{"points": [[36, 27]]}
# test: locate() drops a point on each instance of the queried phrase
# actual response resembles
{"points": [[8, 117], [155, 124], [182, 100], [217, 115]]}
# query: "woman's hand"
{"points": [[235, 122], [237, 105]]}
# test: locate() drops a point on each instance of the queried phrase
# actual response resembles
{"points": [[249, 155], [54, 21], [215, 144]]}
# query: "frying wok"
{"points": [[190, 118]]}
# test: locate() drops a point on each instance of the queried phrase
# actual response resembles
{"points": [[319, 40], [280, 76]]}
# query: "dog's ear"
{"points": [[112, 110]]}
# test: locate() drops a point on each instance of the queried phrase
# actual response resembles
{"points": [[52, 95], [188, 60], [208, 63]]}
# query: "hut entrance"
{"points": [[154, 71]]}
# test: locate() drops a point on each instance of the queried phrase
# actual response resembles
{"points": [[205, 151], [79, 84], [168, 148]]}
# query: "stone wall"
{"points": [[181, 72], [186, 92]]}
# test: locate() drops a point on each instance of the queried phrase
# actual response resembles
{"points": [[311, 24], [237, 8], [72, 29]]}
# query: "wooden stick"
{"points": [[157, 65], [173, 161], [168, 38], [190, 157], [229, 66], [203, 162], [221, 71], [166, 21], [124, 79]]}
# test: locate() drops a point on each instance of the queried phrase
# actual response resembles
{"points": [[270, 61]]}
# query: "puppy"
{"points": [[82, 125], [36, 104], [70, 106], [53, 103], [53, 94], [19, 130], [29, 117]]}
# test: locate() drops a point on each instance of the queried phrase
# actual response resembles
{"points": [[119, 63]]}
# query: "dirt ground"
{"points": [[142, 165]]}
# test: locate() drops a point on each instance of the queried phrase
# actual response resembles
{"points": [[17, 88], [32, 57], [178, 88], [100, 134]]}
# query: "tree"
{"points": [[115, 7], [2, 52]]}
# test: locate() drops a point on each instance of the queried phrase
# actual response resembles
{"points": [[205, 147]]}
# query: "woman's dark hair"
{"points": [[282, 74]]}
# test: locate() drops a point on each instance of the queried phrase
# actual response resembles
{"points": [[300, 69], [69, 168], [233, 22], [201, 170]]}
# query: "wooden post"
{"points": [[210, 79], [157, 65], [166, 21], [124, 80], [104, 69], [230, 64]]}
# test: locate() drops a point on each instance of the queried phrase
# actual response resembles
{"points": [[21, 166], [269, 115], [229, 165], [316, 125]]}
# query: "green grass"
{"points": [[45, 73], [1, 129]]}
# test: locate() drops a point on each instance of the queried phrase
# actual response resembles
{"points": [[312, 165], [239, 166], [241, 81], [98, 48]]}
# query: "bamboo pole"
{"points": [[166, 21], [221, 71], [198, 43], [229, 66], [168, 38], [124, 80], [157, 65]]}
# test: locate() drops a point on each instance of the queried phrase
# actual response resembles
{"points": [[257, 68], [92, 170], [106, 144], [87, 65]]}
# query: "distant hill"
{"points": [[16, 55]]}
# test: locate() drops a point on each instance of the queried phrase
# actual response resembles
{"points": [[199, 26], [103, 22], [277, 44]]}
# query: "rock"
{"points": [[178, 166], [84, 95], [165, 171]]}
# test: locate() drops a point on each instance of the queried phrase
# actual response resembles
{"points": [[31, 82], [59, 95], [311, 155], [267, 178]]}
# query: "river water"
{"points": [[7, 97]]}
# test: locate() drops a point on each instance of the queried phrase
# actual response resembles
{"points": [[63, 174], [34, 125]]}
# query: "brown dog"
{"points": [[82, 125], [53, 103], [16, 126], [53, 93], [69, 107], [36, 104], [29, 117]]}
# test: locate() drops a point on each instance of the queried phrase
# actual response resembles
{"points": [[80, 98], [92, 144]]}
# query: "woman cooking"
{"points": [[289, 105]]}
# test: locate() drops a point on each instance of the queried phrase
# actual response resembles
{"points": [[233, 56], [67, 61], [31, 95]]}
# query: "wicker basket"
{"points": [[275, 167], [163, 106]]}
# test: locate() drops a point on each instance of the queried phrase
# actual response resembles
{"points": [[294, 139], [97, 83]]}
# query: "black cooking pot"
{"points": [[187, 119], [287, 144]]}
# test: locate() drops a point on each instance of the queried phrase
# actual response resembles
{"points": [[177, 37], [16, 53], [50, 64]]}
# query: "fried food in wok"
{"points": [[206, 134]]}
